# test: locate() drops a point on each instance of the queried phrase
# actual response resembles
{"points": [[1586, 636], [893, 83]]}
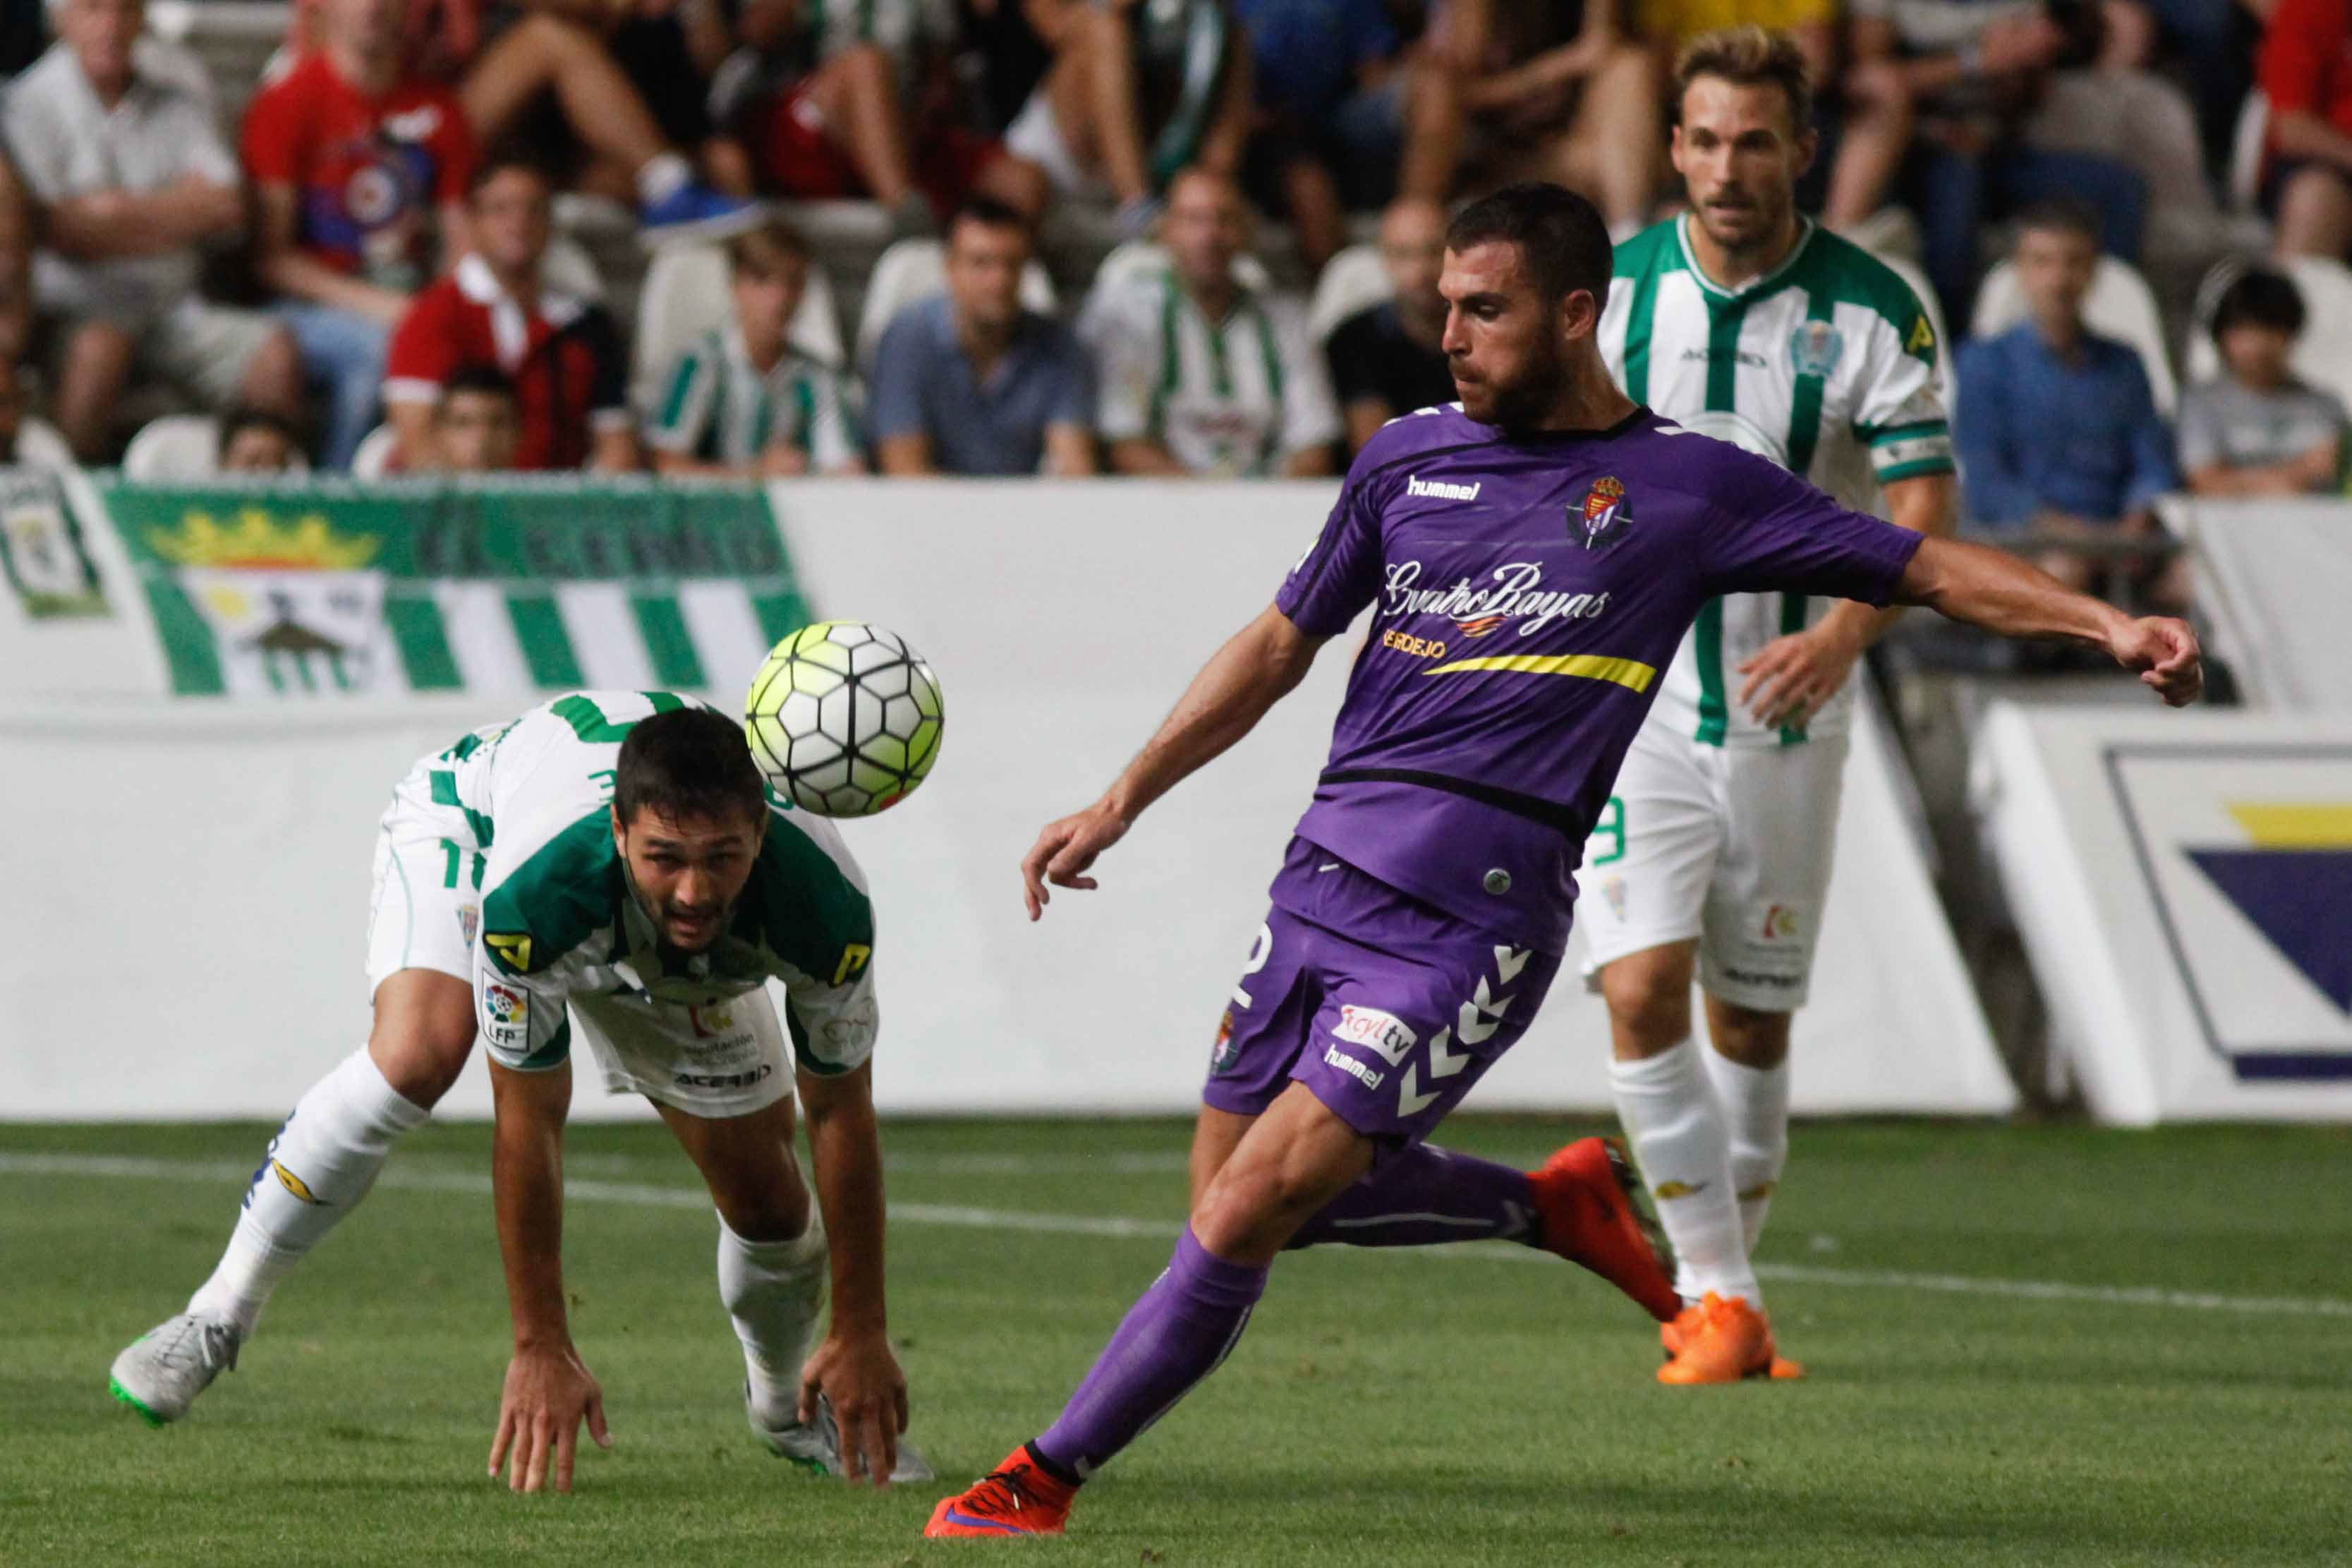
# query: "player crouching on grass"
{"points": [[631, 875], [1426, 902]]}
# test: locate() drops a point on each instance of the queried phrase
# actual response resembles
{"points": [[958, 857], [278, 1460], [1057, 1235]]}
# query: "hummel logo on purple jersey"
{"points": [[1439, 489]]}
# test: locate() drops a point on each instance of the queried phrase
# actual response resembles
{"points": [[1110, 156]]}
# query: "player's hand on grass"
{"points": [[549, 1393], [1790, 677], [2165, 652], [1066, 849], [861, 1378]]}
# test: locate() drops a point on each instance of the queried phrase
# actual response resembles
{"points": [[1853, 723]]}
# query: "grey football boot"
{"points": [[816, 1446], [163, 1371]]}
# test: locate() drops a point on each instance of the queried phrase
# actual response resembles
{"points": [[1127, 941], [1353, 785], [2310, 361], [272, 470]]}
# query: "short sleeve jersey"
{"points": [[1526, 593], [560, 928], [1827, 366], [565, 356], [1234, 397], [719, 407], [367, 172]]}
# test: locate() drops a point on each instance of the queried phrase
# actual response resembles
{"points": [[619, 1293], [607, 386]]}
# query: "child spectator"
{"points": [[743, 403], [2254, 429]]}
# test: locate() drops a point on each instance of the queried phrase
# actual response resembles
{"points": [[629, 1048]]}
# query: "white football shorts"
{"points": [[1727, 844], [725, 1059], [428, 905]]}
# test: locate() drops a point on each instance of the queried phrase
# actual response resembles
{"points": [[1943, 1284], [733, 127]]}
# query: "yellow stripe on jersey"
{"points": [[1631, 674]]}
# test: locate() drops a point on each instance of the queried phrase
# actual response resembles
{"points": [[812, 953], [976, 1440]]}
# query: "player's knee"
{"points": [[1649, 1005], [775, 1216], [1247, 1213], [1748, 1035], [424, 1033]]}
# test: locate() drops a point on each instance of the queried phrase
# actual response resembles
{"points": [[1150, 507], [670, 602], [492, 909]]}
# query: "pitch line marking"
{"points": [[646, 1195]]}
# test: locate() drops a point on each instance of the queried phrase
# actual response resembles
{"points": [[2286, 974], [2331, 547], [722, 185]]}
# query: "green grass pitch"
{"points": [[1453, 1406]]}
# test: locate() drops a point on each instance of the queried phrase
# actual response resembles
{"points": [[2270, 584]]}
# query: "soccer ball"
{"points": [[845, 718]]}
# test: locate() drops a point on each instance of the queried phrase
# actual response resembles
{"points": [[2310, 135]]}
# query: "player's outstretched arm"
{"points": [[2001, 593], [1790, 677], [549, 1390], [1260, 666], [854, 1367]]}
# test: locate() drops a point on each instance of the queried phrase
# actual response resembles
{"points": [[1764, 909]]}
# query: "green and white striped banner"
{"points": [[513, 587]]}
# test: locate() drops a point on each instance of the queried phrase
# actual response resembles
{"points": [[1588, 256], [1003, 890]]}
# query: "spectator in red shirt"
{"points": [[350, 155], [2306, 71], [563, 354], [624, 81]]}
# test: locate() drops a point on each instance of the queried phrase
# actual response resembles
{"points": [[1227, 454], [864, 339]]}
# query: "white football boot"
{"points": [[816, 1446], [163, 1370]]}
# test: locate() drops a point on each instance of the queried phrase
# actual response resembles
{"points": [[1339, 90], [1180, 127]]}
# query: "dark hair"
{"points": [[474, 376], [2259, 298], [2059, 214], [243, 418], [506, 158], [1561, 236], [989, 212], [1748, 57], [688, 762], [764, 249]]}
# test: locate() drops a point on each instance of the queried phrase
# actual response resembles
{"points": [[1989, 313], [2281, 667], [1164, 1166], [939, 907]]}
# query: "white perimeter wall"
{"points": [[189, 879]]}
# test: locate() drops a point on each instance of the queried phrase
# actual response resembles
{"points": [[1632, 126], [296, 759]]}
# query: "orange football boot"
{"points": [[1017, 1498], [1589, 1203], [1672, 1336], [1733, 1341]]}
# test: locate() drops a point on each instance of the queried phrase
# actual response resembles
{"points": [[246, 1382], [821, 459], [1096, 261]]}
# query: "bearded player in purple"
{"points": [[1532, 556]]}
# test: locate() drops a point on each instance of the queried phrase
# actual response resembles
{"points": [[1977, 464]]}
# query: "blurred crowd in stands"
{"points": [[366, 251]]}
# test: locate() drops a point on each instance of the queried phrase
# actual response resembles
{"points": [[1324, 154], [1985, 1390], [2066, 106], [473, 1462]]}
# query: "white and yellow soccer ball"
{"points": [[845, 718]]}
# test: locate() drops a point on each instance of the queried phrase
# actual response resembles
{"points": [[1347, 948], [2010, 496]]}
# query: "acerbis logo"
{"points": [[1439, 489]]}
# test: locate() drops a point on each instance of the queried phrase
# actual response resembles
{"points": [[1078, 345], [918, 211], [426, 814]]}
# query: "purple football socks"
{"points": [[1174, 1335], [1425, 1195]]}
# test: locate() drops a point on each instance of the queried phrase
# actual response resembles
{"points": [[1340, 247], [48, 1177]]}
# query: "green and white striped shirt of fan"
{"points": [[718, 407], [1827, 365]]}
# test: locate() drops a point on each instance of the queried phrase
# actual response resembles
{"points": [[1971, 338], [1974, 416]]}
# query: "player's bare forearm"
{"points": [[845, 1145], [527, 1179], [1925, 503], [1987, 588], [854, 1367], [1256, 668]]}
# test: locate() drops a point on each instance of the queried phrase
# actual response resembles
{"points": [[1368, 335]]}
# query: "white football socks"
{"points": [[316, 1171], [1754, 1103], [1670, 1118], [775, 1293]]}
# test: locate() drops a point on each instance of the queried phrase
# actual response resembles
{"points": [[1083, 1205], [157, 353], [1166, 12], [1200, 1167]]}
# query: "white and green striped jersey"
{"points": [[560, 928], [1234, 397], [1826, 365], [719, 407]]}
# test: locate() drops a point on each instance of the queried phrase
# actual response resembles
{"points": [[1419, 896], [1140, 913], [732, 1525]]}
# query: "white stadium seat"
{"points": [[377, 448], [40, 445], [685, 295], [173, 449], [2323, 355], [1355, 279], [916, 269], [2120, 306], [2247, 144]]}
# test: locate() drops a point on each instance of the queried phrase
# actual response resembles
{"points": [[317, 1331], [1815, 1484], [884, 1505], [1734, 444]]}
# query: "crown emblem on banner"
{"points": [[258, 540]]}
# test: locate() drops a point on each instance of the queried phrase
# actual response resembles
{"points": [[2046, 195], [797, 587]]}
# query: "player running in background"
{"points": [[1744, 320], [631, 877], [1535, 554]]}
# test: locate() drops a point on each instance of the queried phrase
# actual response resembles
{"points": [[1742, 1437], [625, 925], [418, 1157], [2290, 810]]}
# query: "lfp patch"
{"points": [[505, 1014], [1607, 513]]}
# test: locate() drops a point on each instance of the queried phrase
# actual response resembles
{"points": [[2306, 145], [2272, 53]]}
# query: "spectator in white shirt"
{"points": [[114, 133], [1198, 373]]}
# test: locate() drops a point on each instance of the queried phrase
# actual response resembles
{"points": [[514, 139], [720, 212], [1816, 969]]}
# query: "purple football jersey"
{"points": [[1528, 593]]}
